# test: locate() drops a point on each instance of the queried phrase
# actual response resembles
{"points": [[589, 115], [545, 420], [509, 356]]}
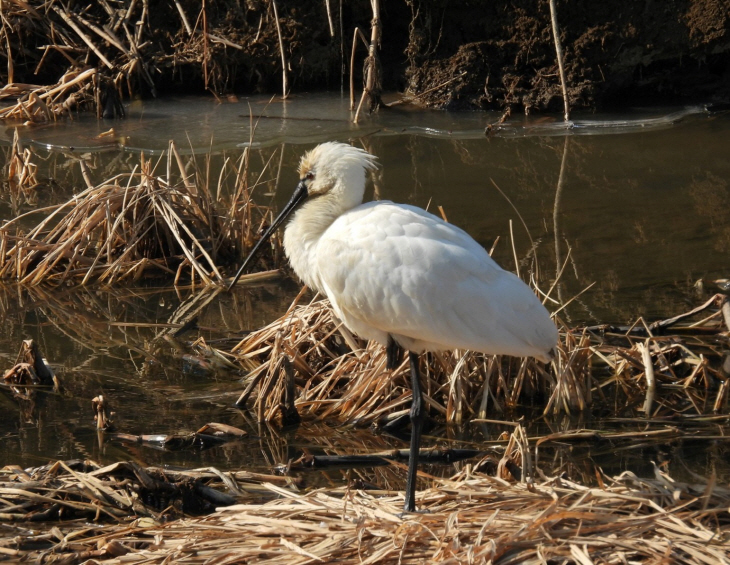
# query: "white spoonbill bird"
{"points": [[401, 276]]}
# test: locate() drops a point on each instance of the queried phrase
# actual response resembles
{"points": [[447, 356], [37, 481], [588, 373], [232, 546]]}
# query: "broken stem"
{"points": [[649, 372], [372, 68], [281, 51]]}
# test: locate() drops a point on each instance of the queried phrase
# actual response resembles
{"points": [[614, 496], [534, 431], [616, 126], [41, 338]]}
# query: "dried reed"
{"points": [[471, 518], [98, 52], [21, 170], [75, 90], [343, 379], [137, 224]]}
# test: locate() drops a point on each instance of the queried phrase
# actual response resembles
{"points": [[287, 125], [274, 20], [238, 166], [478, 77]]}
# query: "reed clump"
{"points": [[127, 227], [64, 57], [342, 378], [75, 90], [137, 224]]}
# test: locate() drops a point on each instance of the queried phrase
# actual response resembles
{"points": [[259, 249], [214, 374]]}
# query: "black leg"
{"points": [[416, 423], [393, 353]]}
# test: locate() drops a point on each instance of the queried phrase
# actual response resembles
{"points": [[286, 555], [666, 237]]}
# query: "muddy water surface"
{"points": [[640, 204]]}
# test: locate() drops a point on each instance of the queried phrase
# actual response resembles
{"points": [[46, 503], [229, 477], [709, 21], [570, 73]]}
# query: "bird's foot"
{"points": [[409, 513]]}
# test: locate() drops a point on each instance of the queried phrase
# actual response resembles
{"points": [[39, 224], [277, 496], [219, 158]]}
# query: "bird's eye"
{"points": [[309, 176]]}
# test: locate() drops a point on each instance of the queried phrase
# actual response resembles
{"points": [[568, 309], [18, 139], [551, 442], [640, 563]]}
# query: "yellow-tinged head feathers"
{"points": [[334, 157]]}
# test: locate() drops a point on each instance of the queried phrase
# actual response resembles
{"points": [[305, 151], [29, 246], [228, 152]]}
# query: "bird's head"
{"points": [[335, 169], [331, 170]]}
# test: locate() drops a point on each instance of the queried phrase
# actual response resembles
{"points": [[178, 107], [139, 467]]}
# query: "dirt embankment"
{"points": [[500, 54], [459, 54]]}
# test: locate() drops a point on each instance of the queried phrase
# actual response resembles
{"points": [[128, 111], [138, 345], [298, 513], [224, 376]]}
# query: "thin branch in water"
{"points": [[559, 54], [284, 84], [556, 215], [356, 34]]}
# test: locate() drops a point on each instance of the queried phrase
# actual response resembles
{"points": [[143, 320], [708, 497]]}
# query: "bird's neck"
{"points": [[304, 231]]}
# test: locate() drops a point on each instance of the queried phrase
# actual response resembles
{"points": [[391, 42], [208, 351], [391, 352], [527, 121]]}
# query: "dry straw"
{"points": [[469, 518], [101, 51], [135, 224], [37, 104], [344, 379]]}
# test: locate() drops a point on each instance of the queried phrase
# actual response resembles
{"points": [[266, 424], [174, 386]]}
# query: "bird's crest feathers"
{"points": [[335, 154]]}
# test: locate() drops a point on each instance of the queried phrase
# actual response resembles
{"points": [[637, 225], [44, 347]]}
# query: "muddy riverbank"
{"points": [[445, 54]]}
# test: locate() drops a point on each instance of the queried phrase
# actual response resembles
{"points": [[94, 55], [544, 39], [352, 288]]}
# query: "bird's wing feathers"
{"points": [[396, 269]]}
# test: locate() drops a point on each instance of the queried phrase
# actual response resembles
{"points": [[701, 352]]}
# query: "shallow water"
{"points": [[641, 209]]}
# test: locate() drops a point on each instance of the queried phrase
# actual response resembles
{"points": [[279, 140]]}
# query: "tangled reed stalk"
{"points": [[67, 56], [36, 104], [471, 518], [49, 36], [136, 224], [343, 379]]}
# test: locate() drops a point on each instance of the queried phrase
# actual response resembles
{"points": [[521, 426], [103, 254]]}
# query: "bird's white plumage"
{"points": [[396, 270]]}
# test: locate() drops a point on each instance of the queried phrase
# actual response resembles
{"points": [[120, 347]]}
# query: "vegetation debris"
{"points": [[344, 379], [470, 517]]}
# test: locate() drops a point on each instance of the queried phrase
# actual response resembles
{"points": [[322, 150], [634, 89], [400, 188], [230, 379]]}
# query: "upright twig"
{"points": [[514, 250], [725, 308], [343, 69], [329, 17], [371, 64], [284, 86], [11, 69], [559, 53], [205, 45], [356, 34], [650, 379], [141, 22]]}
